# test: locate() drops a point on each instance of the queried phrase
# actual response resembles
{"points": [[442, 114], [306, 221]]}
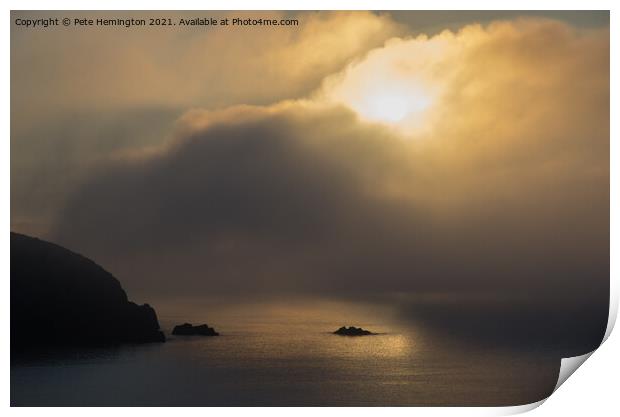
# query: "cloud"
{"points": [[505, 188], [79, 96], [179, 67], [499, 185], [268, 187]]}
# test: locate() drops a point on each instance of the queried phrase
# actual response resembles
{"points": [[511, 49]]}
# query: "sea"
{"points": [[286, 355]]}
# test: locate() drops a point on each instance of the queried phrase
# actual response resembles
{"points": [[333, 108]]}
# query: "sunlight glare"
{"points": [[390, 105]]}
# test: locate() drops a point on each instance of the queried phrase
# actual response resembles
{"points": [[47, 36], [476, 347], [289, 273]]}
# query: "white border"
{"points": [[593, 391], [310, 5]]}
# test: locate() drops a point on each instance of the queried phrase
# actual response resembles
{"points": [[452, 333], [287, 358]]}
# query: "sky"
{"points": [[371, 155]]}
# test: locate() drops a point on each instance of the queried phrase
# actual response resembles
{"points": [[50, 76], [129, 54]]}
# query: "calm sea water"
{"points": [[286, 357]]}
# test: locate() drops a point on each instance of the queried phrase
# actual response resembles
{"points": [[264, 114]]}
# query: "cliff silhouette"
{"points": [[59, 297]]}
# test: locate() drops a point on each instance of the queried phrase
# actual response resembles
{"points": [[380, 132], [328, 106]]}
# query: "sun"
{"points": [[387, 100], [390, 104], [391, 88]]}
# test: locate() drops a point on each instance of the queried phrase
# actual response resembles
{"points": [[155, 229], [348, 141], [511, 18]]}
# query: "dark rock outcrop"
{"points": [[59, 297], [186, 329], [352, 331]]}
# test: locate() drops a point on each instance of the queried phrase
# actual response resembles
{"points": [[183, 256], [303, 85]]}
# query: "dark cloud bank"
{"points": [[298, 201]]}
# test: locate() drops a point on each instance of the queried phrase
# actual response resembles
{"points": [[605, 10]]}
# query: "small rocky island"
{"points": [[61, 298], [352, 331], [186, 329]]}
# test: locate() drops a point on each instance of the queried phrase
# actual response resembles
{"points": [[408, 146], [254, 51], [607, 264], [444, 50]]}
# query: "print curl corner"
{"points": [[568, 366]]}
